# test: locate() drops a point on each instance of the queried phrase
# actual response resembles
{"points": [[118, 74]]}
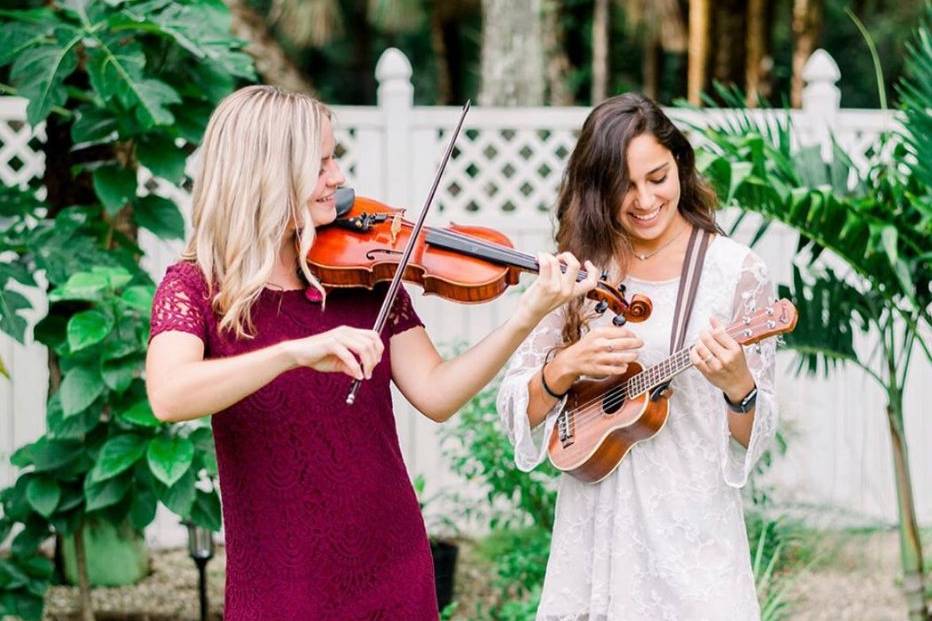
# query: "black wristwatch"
{"points": [[745, 405]]}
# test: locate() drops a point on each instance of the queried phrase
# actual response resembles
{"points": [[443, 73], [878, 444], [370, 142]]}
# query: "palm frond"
{"points": [[831, 311], [915, 91]]}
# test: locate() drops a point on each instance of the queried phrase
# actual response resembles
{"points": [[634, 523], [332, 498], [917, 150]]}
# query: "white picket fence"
{"points": [[505, 173]]}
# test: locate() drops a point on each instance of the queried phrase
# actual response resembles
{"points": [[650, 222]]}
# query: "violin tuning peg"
{"points": [[619, 320], [622, 288], [604, 275], [601, 307]]}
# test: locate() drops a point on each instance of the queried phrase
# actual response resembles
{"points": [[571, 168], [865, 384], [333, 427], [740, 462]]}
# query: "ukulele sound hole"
{"points": [[612, 403]]}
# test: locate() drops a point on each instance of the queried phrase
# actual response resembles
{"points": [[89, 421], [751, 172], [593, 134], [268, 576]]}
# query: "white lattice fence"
{"points": [[505, 172]]}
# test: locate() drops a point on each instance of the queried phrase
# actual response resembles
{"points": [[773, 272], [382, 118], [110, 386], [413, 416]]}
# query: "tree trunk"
{"points": [[84, 585], [599, 51], [728, 31], [652, 66], [807, 26], [438, 45], [362, 59], [272, 63], [910, 542], [512, 64], [557, 60], [755, 45], [699, 16]]}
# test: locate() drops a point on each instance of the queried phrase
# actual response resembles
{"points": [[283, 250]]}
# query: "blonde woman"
{"points": [[321, 519]]}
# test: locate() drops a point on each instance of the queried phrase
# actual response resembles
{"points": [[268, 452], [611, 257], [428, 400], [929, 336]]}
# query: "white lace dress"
{"points": [[663, 537]]}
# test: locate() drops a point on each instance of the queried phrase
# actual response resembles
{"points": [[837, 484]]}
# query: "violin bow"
{"points": [[409, 248]]}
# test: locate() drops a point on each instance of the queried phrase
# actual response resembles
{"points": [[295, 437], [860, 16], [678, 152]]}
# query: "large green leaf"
{"points": [[143, 507], [81, 286], [159, 154], [39, 73], [115, 69], [17, 37], [138, 297], [43, 494], [11, 321], [159, 215], [205, 511], [118, 454], [200, 29], [117, 277], [169, 458], [106, 493], [115, 186], [180, 496], [48, 454], [140, 414], [118, 373], [88, 328], [80, 388], [93, 125]]}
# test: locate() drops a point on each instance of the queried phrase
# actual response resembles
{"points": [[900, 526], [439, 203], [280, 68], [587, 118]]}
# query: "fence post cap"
{"points": [[393, 65], [821, 67]]}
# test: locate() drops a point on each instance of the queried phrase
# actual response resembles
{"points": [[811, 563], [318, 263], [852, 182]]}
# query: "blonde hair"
{"points": [[257, 169]]}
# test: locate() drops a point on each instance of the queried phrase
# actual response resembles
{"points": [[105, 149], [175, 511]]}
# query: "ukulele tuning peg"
{"points": [[601, 306], [619, 320]]}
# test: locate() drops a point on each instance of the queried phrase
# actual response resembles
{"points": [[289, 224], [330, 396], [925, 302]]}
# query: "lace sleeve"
{"points": [[754, 291], [530, 445], [180, 302], [402, 316]]}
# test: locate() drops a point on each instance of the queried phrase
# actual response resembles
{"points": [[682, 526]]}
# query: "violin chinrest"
{"points": [[344, 198]]}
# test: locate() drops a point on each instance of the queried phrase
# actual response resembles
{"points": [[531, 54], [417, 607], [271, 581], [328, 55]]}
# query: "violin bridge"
{"points": [[396, 227]]}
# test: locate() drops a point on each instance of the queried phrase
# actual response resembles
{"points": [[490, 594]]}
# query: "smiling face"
{"points": [[322, 205], [649, 210]]}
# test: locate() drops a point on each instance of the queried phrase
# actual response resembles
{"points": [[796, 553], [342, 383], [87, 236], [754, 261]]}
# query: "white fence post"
{"points": [[821, 98], [395, 100]]}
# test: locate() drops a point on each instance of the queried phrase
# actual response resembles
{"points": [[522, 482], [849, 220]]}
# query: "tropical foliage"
{"points": [[862, 274], [123, 90]]}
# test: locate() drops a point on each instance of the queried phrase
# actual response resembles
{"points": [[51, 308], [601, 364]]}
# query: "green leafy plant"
{"points": [[517, 506], [124, 89], [863, 266]]}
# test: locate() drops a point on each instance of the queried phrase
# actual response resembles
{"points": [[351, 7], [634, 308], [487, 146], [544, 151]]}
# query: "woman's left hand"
{"points": [[554, 286], [721, 359]]}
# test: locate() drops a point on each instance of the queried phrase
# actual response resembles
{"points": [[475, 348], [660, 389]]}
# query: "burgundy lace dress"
{"points": [[320, 517]]}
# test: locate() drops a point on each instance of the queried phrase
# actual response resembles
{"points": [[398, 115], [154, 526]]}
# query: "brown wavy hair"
{"points": [[596, 181]]}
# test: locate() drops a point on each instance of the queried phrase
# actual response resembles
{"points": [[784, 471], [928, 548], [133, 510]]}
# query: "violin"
{"points": [[469, 264]]}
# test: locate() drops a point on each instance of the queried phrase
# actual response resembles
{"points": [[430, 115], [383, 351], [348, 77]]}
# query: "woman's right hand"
{"points": [[352, 351], [600, 352]]}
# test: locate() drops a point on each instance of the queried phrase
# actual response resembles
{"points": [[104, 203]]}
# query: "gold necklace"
{"points": [[644, 257]]}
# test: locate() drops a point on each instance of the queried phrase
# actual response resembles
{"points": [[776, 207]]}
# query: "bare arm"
{"points": [[182, 385], [437, 387], [600, 352]]}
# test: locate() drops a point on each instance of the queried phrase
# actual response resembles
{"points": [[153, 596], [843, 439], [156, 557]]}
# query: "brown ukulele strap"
{"points": [[689, 284]]}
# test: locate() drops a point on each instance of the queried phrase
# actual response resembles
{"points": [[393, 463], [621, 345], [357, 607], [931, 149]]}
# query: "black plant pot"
{"points": [[444, 554]]}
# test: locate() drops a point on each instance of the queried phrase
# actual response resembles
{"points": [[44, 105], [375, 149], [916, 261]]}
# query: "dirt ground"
{"points": [[853, 577]]}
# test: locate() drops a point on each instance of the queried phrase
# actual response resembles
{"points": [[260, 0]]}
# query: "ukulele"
{"points": [[603, 418]]}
